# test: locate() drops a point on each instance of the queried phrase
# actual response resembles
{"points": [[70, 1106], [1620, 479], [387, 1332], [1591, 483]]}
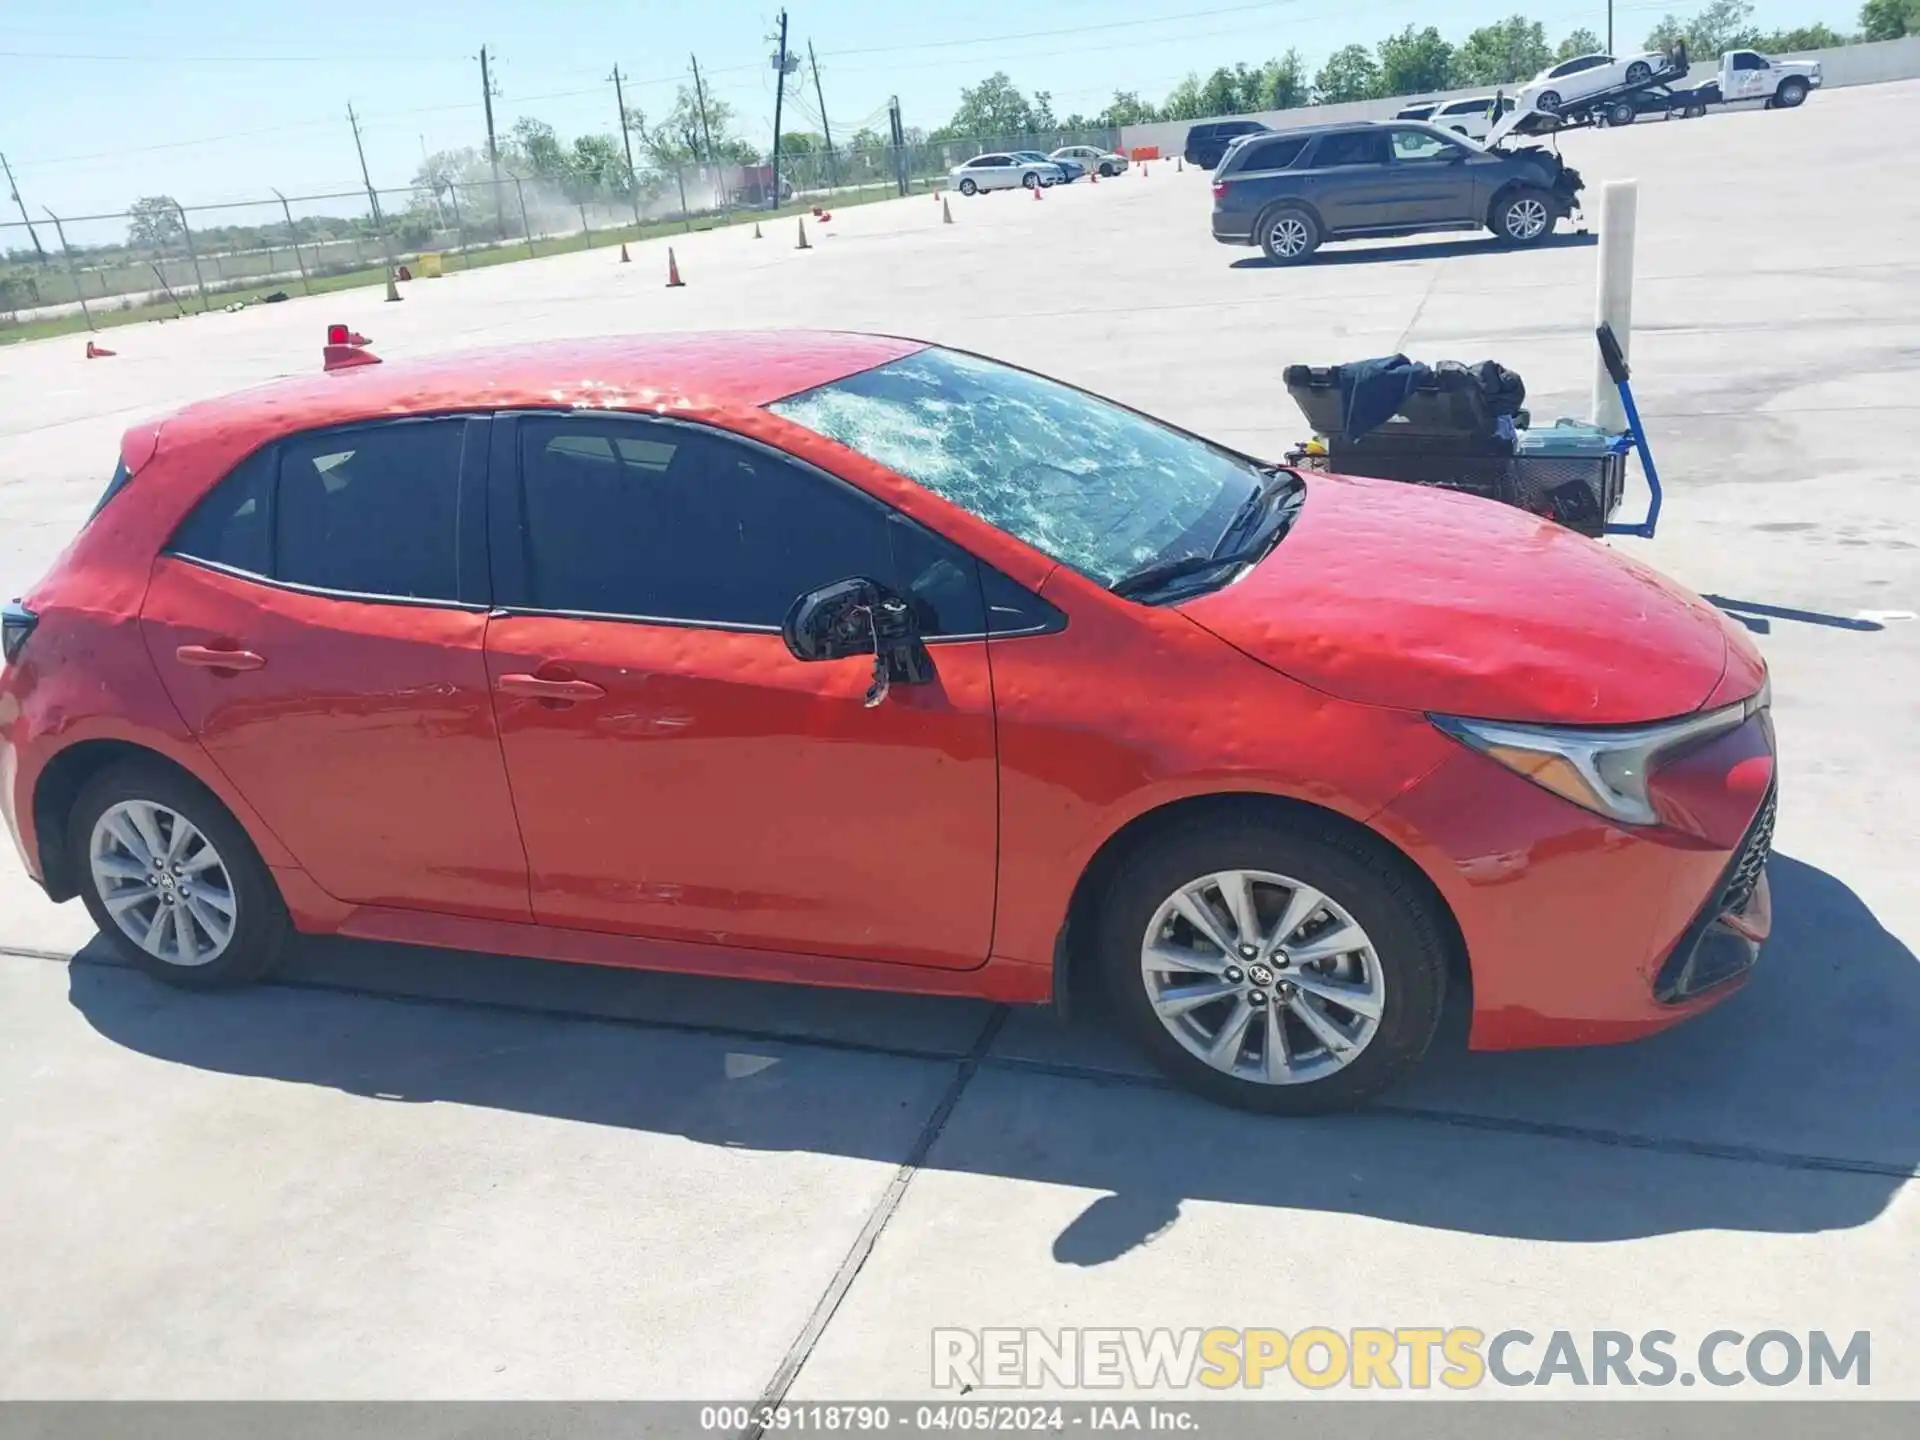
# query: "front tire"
{"points": [[1549, 101], [1107, 172], [1288, 236], [1031, 180], [968, 187], [172, 880], [1792, 92], [1289, 968], [1523, 217]]}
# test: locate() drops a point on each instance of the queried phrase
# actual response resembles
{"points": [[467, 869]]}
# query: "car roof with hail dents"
{"points": [[711, 371]]}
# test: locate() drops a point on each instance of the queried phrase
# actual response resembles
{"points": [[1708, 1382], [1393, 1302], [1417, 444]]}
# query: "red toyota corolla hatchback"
{"points": [[862, 662]]}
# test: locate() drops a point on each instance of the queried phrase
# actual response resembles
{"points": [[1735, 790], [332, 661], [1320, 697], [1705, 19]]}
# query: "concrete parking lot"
{"points": [[423, 1174]]}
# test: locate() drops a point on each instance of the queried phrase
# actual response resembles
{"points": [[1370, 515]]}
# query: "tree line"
{"points": [[1415, 61]]}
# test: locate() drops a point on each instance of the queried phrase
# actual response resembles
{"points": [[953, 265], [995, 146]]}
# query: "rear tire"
{"points": [[1523, 216], [172, 880], [1288, 235], [1792, 92], [1639, 73], [1296, 1051], [1620, 113]]}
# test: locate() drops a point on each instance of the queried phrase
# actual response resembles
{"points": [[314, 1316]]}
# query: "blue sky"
{"points": [[105, 100]]}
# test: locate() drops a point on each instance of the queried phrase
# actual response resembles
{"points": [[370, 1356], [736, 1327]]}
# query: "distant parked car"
{"points": [[1091, 157], [1417, 112], [1003, 172], [1561, 85], [1472, 117], [1070, 170], [1287, 193], [1207, 142]]}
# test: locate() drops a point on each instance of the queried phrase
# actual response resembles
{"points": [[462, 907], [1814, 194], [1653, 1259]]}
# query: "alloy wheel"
{"points": [[1263, 977], [1289, 236], [163, 883], [1526, 218]]}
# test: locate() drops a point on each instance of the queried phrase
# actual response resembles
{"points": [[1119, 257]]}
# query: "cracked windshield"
{"points": [[1089, 483]]}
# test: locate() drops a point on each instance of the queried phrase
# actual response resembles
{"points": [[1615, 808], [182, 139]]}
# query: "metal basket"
{"points": [[1581, 493]]}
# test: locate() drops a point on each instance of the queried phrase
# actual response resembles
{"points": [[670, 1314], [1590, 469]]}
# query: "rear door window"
{"points": [[367, 511], [1351, 147], [371, 512]]}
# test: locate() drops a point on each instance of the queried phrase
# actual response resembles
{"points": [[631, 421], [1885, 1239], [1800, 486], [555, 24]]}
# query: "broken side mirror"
{"points": [[860, 617]]}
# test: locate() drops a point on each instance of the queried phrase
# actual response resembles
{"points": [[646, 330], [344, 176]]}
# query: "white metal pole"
{"points": [[1613, 299]]}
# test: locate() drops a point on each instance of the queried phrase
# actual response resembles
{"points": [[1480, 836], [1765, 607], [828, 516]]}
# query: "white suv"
{"points": [[1472, 118]]}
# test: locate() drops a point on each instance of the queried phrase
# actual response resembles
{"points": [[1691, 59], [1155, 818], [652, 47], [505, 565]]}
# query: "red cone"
{"points": [[95, 352], [673, 270]]}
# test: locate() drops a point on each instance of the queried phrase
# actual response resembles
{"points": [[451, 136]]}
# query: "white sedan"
{"points": [[1092, 158], [1572, 80], [1003, 172]]}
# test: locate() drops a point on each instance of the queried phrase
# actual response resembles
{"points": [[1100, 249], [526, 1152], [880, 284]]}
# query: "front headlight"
{"points": [[1604, 769]]}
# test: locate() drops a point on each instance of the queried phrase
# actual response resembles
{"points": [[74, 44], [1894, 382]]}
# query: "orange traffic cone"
{"points": [[625, 259], [403, 273], [1093, 177], [1037, 188], [95, 352], [825, 216], [673, 271], [803, 245], [936, 192]]}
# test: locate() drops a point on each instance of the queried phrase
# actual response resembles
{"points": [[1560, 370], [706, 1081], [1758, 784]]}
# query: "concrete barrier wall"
{"points": [[1870, 64]]}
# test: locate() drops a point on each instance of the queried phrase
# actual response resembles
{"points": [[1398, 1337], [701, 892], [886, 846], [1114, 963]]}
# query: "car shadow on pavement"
{"points": [[1418, 250], [1787, 1110]]}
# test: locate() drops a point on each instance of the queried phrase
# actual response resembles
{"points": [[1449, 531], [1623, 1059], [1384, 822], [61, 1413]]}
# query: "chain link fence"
{"points": [[161, 258]]}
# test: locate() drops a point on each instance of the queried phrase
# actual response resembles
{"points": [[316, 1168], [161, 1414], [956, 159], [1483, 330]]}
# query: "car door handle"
{"points": [[533, 687], [206, 657]]}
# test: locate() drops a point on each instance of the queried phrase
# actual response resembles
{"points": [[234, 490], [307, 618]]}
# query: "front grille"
{"points": [[1710, 952], [1752, 862]]}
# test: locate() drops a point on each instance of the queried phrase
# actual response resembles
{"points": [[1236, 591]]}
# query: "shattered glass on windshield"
{"points": [[1089, 483]]}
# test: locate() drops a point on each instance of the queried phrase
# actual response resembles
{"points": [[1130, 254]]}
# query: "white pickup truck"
{"points": [[1749, 75]]}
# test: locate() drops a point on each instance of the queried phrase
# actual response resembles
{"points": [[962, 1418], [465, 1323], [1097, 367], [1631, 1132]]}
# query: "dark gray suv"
{"points": [[1290, 191]]}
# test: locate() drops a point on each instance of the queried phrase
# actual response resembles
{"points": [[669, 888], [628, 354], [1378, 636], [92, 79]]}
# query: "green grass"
{"points": [[108, 313]]}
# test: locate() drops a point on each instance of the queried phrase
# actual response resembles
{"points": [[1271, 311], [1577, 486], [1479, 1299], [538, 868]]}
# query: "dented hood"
{"points": [[1422, 599]]}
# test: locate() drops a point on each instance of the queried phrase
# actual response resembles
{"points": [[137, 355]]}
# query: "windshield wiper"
{"points": [[1280, 483]]}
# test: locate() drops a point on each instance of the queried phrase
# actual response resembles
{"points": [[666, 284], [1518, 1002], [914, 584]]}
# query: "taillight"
{"points": [[1219, 189], [16, 624]]}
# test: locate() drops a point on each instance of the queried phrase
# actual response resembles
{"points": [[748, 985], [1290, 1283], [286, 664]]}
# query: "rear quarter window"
{"points": [[121, 475], [1268, 154]]}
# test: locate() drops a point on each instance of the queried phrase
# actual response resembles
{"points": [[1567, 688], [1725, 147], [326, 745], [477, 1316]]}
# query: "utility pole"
{"points": [[493, 148], [14, 189], [373, 199], [779, 94], [700, 98], [826, 129], [626, 139], [1609, 27]]}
